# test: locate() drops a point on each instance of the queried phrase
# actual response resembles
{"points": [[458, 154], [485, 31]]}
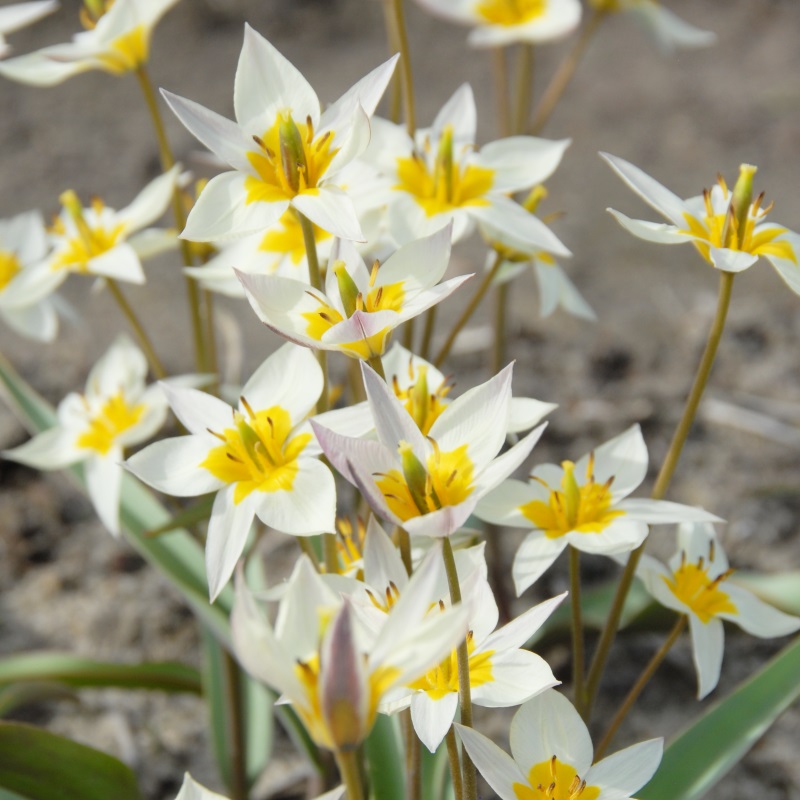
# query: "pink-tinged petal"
{"points": [[173, 466], [459, 113], [525, 412], [419, 264], [663, 512], [361, 328], [708, 645], [228, 529], [505, 216], [103, 485], [656, 232], [120, 263], [757, 617], [291, 378], [547, 726], [534, 557], [222, 211], [345, 452], [307, 508], [36, 322], [221, 136], [51, 449], [517, 676], [651, 191], [442, 522], [382, 563], [39, 69], [519, 631], [504, 465], [196, 410], [332, 210], [496, 766], [520, 162], [432, 718], [150, 203], [621, 536], [267, 84], [623, 458], [622, 774], [731, 260], [501, 506]]}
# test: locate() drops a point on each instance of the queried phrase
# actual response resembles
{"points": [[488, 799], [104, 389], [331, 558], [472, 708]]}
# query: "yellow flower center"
{"points": [[9, 267], [443, 678], [579, 508], [692, 585], [89, 242], [424, 406], [510, 12], [350, 545], [290, 161], [257, 453], [446, 480], [115, 417], [287, 238], [555, 780], [718, 227], [446, 185]]}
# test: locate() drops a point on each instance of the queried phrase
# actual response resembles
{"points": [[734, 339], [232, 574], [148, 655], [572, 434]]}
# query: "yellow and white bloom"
{"points": [[710, 223], [116, 40], [430, 484], [106, 243], [552, 757], [440, 176], [25, 278], [115, 412], [284, 152], [669, 30], [261, 459], [497, 23], [18, 15], [584, 505], [696, 582], [360, 307]]}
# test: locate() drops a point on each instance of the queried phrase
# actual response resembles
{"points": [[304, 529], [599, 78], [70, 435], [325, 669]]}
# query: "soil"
{"points": [[65, 584]]}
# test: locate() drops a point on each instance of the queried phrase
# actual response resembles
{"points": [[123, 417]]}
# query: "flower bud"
{"points": [[348, 290]]}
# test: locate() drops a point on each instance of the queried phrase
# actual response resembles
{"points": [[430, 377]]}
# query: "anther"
{"points": [[247, 407], [218, 435], [373, 274]]}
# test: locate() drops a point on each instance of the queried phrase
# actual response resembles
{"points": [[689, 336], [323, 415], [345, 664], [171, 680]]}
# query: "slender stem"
{"points": [[377, 364], [564, 73], [498, 571], [395, 106], [211, 339], [233, 698], [469, 310], [347, 762], [413, 758], [662, 482], [455, 763], [500, 312], [164, 150], [524, 88], [637, 688], [408, 334], [405, 65], [500, 75], [141, 334], [578, 656], [308, 549], [427, 332], [464, 690], [330, 553]]}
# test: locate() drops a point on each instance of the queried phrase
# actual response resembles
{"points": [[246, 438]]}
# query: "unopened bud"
{"points": [[348, 290], [743, 198], [419, 396], [572, 492]]}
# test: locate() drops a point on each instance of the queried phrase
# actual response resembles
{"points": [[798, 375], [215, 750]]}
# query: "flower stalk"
{"points": [[347, 762], [578, 652]]}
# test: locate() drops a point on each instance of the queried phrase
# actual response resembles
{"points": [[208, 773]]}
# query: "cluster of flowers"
{"points": [[378, 632]]}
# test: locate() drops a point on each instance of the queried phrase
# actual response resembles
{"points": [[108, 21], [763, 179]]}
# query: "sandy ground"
{"points": [[67, 585]]}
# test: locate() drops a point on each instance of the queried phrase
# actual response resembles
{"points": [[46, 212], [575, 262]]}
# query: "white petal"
{"points": [[519, 631], [191, 790], [506, 464], [37, 322], [345, 452], [197, 410], [418, 264], [367, 93], [657, 232], [496, 766], [51, 449], [534, 557], [669, 30], [38, 69], [757, 617], [332, 210], [623, 458], [502, 505], [556, 289], [662, 512], [520, 162], [620, 536], [731, 260], [150, 203], [228, 528], [517, 676], [627, 770], [103, 483], [382, 562], [458, 112], [707, 650], [432, 718], [120, 263]]}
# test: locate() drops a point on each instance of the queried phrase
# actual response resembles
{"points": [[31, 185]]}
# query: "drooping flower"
{"points": [[360, 308], [116, 40], [18, 15], [110, 244], [441, 176], [333, 671], [669, 30], [552, 757], [583, 505], [260, 458], [25, 278], [283, 151], [500, 22], [430, 484], [115, 412], [727, 240], [696, 583]]}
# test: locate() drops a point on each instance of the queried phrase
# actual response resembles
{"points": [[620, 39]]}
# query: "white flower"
{"points": [[583, 505], [18, 15], [192, 790], [709, 222], [441, 176], [553, 754], [117, 40], [695, 583], [501, 22], [260, 458], [115, 412], [283, 150], [25, 278]]}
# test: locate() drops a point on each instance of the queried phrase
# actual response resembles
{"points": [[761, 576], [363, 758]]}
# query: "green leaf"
{"points": [[197, 512], [38, 765], [705, 752], [24, 693], [386, 759], [84, 672]]}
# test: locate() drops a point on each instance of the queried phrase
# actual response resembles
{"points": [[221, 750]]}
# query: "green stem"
{"points": [[500, 74], [330, 553], [347, 762], [427, 332], [564, 73], [233, 697], [500, 311], [308, 548], [408, 335], [464, 690], [524, 88], [138, 329], [469, 310], [413, 758], [455, 763], [404, 545], [211, 339], [407, 82], [662, 482], [578, 656], [636, 690]]}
